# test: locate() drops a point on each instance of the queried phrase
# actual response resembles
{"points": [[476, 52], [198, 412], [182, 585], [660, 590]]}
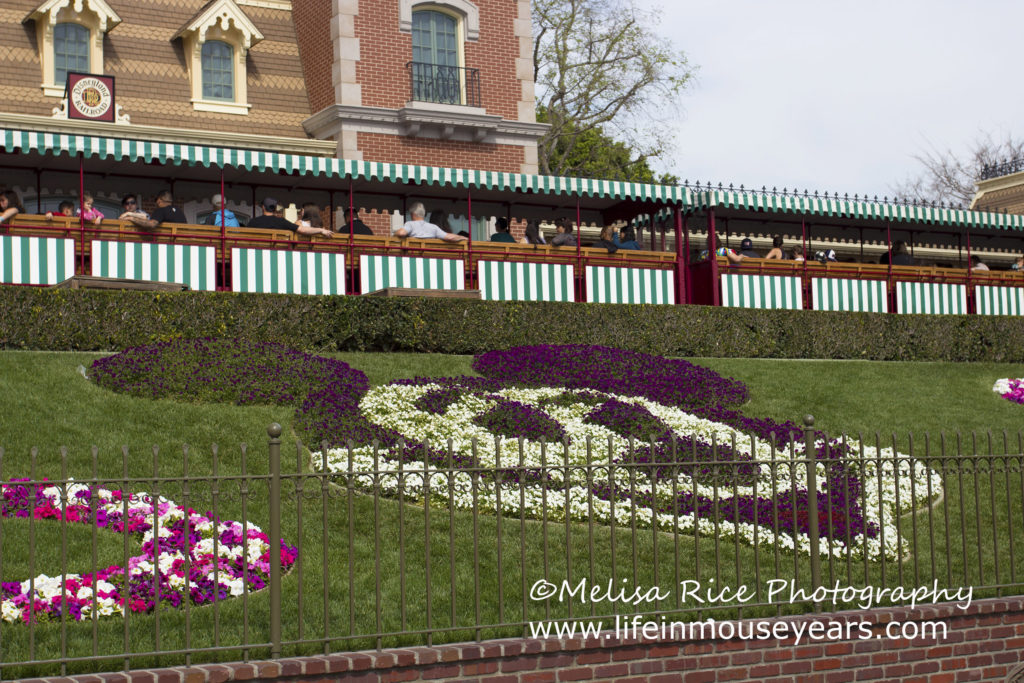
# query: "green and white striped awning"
{"points": [[175, 153], [853, 208]]}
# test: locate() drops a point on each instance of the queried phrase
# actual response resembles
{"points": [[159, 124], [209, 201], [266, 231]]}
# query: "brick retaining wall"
{"points": [[984, 642]]}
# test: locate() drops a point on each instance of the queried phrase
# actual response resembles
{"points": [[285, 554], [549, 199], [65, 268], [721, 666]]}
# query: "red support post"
{"points": [[716, 288], [680, 264], [581, 295], [224, 256], [469, 242], [81, 209]]}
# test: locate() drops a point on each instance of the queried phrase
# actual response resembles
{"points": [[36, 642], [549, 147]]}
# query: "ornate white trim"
{"points": [[49, 10], [466, 9], [61, 112], [424, 121], [228, 16], [222, 20]]}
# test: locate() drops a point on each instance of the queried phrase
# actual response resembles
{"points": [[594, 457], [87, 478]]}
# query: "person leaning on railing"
{"points": [[421, 229], [130, 209], [10, 206], [165, 212], [728, 253], [273, 222], [65, 209]]}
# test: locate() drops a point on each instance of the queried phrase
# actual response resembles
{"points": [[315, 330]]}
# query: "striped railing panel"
{"points": [[267, 271], [36, 260], [992, 300], [185, 264], [505, 281], [931, 297], [762, 291], [379, 272], [844, 294], [608, 285]]}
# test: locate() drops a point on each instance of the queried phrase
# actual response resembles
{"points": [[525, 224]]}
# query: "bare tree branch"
{"points": [[600, 69], [946, 177]]}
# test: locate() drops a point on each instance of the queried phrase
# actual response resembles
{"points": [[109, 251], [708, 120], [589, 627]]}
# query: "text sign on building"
{"points": [[90, 97]]}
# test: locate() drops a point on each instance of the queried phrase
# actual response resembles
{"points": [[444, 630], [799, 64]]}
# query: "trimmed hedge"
{"points": [[91, 320]]}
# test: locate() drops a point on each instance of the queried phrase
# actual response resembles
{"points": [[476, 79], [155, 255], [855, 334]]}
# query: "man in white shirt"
{"points": [[420, 229]]}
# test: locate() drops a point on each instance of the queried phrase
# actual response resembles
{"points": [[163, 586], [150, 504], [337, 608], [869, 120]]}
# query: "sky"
{"points": [[839, 96]]}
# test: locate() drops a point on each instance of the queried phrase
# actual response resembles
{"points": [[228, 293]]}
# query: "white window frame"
{"points": [[222, 21], [466, 12], [94, 15]]}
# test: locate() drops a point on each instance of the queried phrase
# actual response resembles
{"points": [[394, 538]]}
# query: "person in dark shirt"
{"points": [[502, 234], [165, 212], [273, 222], [899, 255], [605, 240], [358, 227], [747, 248]]}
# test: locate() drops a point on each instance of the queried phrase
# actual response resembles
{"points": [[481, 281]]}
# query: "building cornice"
{"points": [[183, 136], [423, 121], [988, 187]]}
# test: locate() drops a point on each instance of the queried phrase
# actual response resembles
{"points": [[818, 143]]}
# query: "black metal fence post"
{"points": [[812, 505], [274, 431]]}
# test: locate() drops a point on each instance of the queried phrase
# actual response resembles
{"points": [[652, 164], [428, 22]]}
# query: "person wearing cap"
{"points": [[230, 221], [747, 248], [273, 222]]}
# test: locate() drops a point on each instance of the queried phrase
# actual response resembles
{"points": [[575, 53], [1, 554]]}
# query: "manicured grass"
{"points": [[864, 397], [382, 544]]}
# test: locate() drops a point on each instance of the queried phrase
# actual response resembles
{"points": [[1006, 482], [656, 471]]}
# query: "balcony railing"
{"points": [[444, 84], [1002, 168]]}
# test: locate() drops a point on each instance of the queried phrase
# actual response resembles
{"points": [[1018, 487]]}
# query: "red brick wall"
{"points": [[312, 21], [985, 642], [448, 153], [384, 52]]}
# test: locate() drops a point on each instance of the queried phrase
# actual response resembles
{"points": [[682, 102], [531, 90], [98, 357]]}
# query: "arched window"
{"points": [[70, 51], [218, 71], [436, 72]]}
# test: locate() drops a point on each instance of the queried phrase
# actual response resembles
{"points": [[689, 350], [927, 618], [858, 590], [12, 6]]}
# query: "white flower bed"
{"points": [[887, 494]]}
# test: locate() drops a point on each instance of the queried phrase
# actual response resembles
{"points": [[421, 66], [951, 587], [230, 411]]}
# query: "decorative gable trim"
{"points": [[48, 11], [225, 15]]}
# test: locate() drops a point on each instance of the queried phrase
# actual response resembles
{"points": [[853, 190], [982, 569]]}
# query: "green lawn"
{"points": [[365, 563]]}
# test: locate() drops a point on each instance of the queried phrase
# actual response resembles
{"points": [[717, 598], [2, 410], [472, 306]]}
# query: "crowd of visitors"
{"points": [[899, 254], [310, 222]]}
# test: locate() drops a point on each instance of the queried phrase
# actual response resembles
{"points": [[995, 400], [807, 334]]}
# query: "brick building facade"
{"points": [[277, 74]]}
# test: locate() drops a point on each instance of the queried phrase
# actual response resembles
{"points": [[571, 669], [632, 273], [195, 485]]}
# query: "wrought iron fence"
{"points": [[444, 84], [1001, 168], [404, 547]]}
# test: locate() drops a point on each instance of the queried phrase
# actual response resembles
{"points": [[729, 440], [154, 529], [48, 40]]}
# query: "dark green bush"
{"points": [[66, 320]]}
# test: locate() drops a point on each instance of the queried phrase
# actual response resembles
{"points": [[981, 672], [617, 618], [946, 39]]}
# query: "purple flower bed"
{"points": [[513, 420], [628, 420], [578, 366], [224, 371]]}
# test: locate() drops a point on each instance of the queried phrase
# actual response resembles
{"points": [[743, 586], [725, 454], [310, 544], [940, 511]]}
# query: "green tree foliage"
{"points": [[594, 154], [604, 78]]}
